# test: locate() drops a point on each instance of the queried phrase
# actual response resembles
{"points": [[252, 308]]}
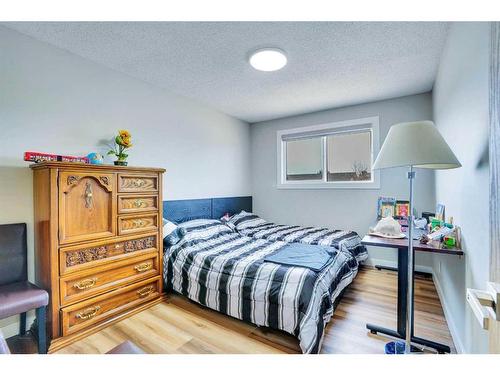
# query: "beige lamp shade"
{"points": [[418, 144]]}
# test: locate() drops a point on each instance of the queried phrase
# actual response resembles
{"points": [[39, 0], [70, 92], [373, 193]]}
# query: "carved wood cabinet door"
{"points": [[87, 206]]}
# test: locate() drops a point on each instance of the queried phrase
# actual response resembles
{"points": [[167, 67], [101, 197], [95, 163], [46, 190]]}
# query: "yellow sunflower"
{"points": [[126, 142], [124, 134]]}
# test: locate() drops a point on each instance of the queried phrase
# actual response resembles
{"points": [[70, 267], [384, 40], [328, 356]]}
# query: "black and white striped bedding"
{"points": [[252, 225], [225, 271]]}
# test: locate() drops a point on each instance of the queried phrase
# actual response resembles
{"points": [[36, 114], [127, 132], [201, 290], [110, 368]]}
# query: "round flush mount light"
{"points": [[268, 59]]}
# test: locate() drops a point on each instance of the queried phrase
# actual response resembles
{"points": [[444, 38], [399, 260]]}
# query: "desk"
{"points": [[402, 246]]}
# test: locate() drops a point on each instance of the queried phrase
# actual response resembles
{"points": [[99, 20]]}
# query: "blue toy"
{"points": [[95, 158]]}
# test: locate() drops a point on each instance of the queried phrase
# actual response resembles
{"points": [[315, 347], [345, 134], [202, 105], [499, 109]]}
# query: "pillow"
{"points": [[174, 237], [168, 228], [245, 220], [172, 233], [213, 225], [230, 225], [225, 219]]}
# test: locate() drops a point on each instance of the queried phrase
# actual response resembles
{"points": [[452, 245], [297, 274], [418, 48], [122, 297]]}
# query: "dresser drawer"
{"points": [[137, 223], [97, 309], [78, 258], [135, 183], [76, 287], [137, 203]]}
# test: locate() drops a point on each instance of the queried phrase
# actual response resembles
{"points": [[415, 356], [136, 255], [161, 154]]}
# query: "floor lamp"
{"points": [[414, 145]]}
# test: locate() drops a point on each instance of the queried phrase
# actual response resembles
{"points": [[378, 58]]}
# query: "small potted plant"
{"points": [[122, 142]]}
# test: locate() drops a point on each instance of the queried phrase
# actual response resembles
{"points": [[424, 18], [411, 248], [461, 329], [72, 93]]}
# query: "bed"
{"points": [[227, 271], [251, 225], [220, 268]]}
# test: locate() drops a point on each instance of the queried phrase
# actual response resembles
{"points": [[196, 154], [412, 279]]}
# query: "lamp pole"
{"points": [[409, 296]]}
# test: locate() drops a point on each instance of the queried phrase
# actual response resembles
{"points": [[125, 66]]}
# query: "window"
{"points": [[337, 155], [349, 156], [304, 160]]}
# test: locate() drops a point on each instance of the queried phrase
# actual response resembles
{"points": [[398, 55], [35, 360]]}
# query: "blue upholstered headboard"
{"points": [[210, 208]]}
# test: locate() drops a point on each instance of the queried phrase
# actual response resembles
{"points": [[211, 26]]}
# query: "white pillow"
{"points": [[205, 224], [245, 220], [168, 228]]}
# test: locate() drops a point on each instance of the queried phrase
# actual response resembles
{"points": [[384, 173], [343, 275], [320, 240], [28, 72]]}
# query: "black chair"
{"points": [[17, 294]]}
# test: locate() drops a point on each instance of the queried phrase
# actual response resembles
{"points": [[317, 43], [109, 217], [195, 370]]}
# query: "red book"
{"points": [[39, 157]]}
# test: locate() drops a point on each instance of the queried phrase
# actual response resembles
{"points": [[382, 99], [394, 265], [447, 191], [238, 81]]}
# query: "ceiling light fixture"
{"points": [[268, 59]]}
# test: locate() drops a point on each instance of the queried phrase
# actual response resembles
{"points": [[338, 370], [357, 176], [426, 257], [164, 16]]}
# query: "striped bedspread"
{"points": [[252, 225], [226, 271]]}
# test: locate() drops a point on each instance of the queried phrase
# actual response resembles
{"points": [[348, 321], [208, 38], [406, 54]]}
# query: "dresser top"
{"points": [[66, 165]]}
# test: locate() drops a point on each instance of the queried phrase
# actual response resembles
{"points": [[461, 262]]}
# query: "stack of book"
{"points": [[38, 157]]}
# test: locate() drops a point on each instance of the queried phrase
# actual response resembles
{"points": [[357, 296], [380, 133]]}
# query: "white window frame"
{"points": [[362, 124]]}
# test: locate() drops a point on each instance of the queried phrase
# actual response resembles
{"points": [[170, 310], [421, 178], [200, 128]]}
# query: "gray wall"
{"points": [[339, 208], [460, 102], [54, 101]]}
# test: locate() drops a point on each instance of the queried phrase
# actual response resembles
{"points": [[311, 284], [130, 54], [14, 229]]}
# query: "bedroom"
{"points": [[241, 222]]}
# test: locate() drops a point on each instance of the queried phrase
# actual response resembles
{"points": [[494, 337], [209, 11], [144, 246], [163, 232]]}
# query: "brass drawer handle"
{"points": [[143, 267], [85, 284], [88, 313], [138, 182], [144, 292], [88, 195], [138, 223], [138, 203]]}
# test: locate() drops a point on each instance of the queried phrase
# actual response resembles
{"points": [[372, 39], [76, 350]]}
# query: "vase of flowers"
{"points": [[122, 142]]}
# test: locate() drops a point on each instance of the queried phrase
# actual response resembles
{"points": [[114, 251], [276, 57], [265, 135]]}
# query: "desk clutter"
{"points": [[387, 227], [392, 216]]}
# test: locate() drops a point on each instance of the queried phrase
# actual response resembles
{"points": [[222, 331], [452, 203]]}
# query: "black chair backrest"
{"points": [[13, 253]]}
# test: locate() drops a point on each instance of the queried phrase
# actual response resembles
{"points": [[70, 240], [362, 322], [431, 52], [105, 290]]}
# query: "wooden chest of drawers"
{"points": [[98, 244]]}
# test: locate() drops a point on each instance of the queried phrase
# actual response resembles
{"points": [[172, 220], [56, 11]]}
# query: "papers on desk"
{"points": [[440, 233]]}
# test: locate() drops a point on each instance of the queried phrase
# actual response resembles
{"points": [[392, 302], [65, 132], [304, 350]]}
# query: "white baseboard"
{"points": [[446, 308], [449, 317]]}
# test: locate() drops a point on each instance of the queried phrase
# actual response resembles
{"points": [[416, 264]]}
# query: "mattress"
{"points": [[226, 271]]}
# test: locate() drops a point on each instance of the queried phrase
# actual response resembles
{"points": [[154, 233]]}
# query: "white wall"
{"points": [[460, 102], [339, 208], [54, 101]]}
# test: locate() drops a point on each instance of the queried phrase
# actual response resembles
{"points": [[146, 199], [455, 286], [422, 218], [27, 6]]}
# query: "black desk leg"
{"points": [[402, 291], [402, 302]]}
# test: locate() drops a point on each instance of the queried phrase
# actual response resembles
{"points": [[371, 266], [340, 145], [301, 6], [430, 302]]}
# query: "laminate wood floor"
{"points": [[181, 326]]}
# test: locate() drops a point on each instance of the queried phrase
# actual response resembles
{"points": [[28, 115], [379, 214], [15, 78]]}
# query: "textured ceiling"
{"points": [[330, 64]]}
